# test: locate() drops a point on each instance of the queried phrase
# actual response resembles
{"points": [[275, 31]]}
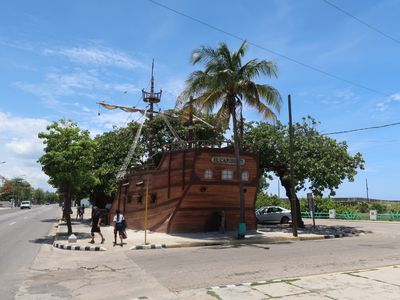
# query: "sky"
{"points": [[58, 58]]}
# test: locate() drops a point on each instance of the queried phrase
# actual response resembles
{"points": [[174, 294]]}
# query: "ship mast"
{"points": [[151, 98]]}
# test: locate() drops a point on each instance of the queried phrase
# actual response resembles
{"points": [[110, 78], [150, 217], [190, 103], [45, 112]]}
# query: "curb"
{"points": [[232, 242], [260, 282], [150, 246], [291, 279], [74, 246], [261, 241], [340, 235], [78, 247]]}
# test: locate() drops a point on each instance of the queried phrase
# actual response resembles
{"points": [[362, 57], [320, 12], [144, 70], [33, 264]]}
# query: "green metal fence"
{"points": [[354, 216]]}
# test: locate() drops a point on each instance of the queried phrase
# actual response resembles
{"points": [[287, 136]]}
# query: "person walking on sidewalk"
{"points": [[96, 220], [119, 226]]}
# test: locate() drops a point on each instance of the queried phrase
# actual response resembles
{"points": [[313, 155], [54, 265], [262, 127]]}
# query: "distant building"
{"points": [[355, 200]]}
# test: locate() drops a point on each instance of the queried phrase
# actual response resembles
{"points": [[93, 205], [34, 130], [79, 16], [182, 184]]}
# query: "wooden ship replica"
{"points": [[192, 189]]}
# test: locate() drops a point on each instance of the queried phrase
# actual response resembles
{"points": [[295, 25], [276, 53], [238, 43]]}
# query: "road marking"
{"points": [[12, 223]]}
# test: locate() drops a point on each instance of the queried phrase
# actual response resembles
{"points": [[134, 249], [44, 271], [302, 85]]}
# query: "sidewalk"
{"points": [[377, 283], [136, 238]]}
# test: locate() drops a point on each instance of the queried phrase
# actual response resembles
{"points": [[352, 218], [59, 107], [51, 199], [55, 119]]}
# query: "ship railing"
{"points": [[175, 146], [199, 144]]}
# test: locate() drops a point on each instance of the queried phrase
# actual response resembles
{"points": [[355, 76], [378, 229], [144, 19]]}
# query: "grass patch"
{"points": [[214, 294]]}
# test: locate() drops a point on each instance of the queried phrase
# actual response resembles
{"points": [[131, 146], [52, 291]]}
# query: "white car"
{"points": [[273, 214], [26, 204]]}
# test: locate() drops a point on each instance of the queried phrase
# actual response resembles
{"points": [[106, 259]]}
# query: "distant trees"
{"points": [[16, 189], [39, 195], [19, 189]]}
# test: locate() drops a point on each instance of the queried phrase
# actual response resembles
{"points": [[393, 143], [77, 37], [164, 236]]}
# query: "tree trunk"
{"points": [[67, 209], [238, 169], [286, 185]]}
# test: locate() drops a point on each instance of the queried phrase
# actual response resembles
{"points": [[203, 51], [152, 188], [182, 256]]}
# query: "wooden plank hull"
{"points": [[190, 191]]}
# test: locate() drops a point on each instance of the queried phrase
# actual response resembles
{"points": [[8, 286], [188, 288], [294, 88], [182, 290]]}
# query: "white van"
{"points": [[26, 204]]}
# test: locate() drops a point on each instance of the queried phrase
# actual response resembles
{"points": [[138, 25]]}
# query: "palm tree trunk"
{"points": [[238, 171]]}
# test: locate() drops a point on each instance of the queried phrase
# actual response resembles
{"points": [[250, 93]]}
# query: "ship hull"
{"points": [[193, 190]]}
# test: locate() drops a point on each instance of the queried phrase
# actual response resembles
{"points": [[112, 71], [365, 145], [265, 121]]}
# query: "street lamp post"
{"points": [[145, 183]]}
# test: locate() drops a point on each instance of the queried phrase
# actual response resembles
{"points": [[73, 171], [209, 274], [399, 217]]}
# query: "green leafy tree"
{"points": [[68, 161], [227, 84], [19, 189], [320, 161], [6, 190], [38, 195], [112, 148], [270, 200], [52, 197]]}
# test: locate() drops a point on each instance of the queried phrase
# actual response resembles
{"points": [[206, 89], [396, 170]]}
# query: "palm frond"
{"points": [[226, 83]]}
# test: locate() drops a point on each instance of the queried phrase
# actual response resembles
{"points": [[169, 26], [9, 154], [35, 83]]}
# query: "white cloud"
{"points": [[98, 55], [58, 84], [395, 97], [25, 148], [108, 120], [338, 97], [171, 90], [11, 126], [384, 105], [20, 148]]}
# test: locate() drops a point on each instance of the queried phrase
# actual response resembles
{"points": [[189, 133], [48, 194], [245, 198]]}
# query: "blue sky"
{"points": [[59, 57]]}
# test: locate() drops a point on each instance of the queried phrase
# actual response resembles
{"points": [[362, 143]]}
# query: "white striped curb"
{"points": [[340, 235], [78, 247], [247, 284], [151, 246]]}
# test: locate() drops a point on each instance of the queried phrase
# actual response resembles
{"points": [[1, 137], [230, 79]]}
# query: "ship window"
{"points": [[208, 174], [245, 176], [153, 198], [227, 175]]}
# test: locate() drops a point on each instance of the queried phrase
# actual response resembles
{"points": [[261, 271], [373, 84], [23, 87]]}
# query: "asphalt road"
{"points": [[22, 232], [188, 268]]}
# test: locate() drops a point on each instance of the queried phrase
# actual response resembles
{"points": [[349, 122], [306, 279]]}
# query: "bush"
{"points": [[270, 200], [379, 207], [362, 207]]}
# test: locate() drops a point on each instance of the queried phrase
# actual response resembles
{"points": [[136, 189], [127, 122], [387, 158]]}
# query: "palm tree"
{"points": [[227, 84]]}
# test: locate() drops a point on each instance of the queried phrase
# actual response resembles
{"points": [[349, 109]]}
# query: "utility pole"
{"points": [[292, 191], [366, 186], [146, 210], [279, 189]]}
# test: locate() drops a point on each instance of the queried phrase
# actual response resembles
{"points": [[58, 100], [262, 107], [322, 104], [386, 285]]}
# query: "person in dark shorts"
{"points": [[119, 226], [96, 220]]}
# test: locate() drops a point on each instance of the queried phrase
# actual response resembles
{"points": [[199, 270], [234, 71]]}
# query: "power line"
{"points": [[362, 22], [271, 51], [361, 129]]}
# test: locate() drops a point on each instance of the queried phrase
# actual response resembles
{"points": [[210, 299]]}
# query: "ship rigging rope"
{"points": [[128, 158], [172, 129]]}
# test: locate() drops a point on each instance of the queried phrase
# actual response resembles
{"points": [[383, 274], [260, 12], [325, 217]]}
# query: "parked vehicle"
{"points": [[26, 204], [273, 214]]}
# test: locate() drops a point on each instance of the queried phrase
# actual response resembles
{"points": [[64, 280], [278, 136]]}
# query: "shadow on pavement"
{"points": [[49, 220], [309, 229], [80, 235], [49, 239]]}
